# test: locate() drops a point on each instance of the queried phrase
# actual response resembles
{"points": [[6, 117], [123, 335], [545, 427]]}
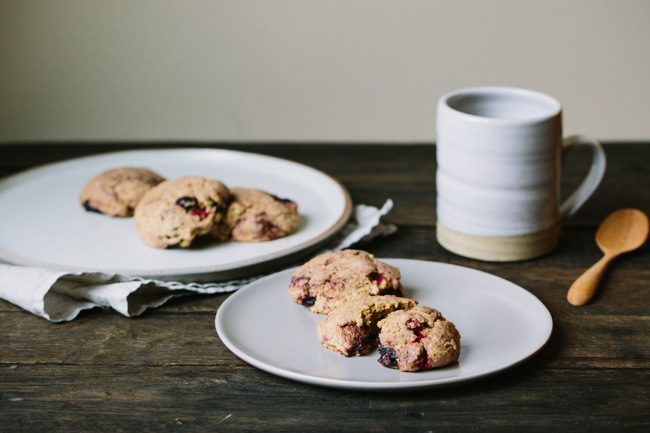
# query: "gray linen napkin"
{"points": [[60, 295]]}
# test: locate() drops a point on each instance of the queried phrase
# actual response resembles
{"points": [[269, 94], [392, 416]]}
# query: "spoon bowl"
{"points": [[622, 231]]}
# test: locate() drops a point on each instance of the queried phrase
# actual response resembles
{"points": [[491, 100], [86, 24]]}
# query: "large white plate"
{"points": [[43, 224], [501, 325]]}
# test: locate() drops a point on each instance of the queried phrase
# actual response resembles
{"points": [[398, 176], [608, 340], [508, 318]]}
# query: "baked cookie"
{"points": [[332, 278], [175, 212], [116, 192], [256, 216], [417, 339], [351, 328]]}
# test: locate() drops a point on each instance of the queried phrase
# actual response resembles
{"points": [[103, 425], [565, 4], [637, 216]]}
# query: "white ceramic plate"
{"points": [[501, 325], [43, 224]]}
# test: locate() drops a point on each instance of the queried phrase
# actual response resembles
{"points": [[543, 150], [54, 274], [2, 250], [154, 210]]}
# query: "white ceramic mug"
{"points": [[500, 152]]}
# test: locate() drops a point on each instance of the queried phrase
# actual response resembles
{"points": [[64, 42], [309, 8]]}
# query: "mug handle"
{"points": [[595, 174]]}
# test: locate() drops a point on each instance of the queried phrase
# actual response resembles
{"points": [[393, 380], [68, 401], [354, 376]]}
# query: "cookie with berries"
{"points": [[351, 328], [329, 279], [116, 192], [258, 216], [417, 339], [176, 212]]}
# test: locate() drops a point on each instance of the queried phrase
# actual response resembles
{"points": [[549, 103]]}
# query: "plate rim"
{"points": [[199, 271], [383, 386]]}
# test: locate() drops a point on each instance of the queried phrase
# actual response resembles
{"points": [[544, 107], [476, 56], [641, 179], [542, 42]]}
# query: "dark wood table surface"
{"points": [[167, 370]]}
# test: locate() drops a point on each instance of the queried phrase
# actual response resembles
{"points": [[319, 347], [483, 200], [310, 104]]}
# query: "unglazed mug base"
{"points": [[499, 249]]}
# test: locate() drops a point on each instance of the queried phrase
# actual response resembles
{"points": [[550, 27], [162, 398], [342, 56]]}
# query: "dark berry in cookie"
{"points": [[387, 357], [308, 301], [187, 203]]}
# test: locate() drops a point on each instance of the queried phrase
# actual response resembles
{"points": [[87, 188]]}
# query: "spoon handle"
{"points": [[584, 287]]}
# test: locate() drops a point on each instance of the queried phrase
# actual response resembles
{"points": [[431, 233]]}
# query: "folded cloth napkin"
{"points": [[59, 295]]}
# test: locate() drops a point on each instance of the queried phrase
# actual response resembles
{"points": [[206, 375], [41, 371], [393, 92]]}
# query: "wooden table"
{"points": [[167, 370]]}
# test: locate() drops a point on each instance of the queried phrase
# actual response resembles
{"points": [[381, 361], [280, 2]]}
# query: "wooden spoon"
{"points": [[623, 231]]}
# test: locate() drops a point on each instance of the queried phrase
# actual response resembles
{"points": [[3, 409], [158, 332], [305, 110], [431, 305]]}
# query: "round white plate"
{"points": [[43, 224], [501, 325]]}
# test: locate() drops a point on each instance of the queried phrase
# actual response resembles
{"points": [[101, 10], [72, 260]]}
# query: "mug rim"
{"points": [[555, 111]]}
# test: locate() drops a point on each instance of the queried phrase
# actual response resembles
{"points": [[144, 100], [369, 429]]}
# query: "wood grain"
{"points": [[167, 370]]}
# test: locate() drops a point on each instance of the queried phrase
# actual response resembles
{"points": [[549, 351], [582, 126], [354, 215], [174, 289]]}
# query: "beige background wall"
{"points": [[366, 70]]}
